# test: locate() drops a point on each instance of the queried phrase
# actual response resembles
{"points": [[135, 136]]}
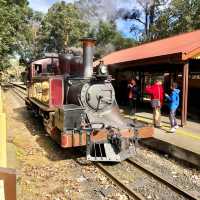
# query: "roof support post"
{"points": [[185, 94], [141, 78]]}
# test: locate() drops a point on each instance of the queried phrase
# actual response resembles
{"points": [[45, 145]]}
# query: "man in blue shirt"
{"points": [[173, 105]]}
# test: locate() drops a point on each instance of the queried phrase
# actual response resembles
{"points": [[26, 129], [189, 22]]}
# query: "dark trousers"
{"points": [[172, 118], [132, 106]]}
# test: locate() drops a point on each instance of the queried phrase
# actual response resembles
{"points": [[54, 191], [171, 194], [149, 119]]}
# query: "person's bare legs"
{"points": [[156, 117]]}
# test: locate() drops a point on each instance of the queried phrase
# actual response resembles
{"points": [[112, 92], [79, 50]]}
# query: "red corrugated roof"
{"points": [[187, 43]]}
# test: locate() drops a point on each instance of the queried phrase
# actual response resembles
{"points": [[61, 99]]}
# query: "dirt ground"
{"points": [[44, 170]]}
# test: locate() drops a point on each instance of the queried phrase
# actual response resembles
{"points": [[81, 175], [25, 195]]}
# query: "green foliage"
{"points": [[161, 18], [29, 34], [62, 27], [109, 39], [180, 16], [102, 16], [105, 34], [143, 17], [13, 21], [29, 48], [122, 43]]}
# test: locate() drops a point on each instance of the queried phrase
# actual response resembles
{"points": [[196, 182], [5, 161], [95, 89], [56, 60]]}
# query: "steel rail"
{"points": [[168, 183], [17, 88], [130, 192], [17, 93], [17, 85], [21, 91]]}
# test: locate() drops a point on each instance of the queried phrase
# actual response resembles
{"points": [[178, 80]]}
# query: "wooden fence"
{"points": [[7, 176]]}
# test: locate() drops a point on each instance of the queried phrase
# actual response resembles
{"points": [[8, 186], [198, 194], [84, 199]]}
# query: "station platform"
{"points": [[183, 144]]}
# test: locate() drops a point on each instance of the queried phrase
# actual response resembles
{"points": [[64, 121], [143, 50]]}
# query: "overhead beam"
{"points": [[169, 59]]}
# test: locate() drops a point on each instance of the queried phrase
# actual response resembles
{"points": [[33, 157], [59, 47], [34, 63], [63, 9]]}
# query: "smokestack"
{"points": [[88, 48]]}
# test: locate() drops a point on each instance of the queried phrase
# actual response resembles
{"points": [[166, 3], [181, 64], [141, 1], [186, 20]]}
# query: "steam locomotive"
{"points": [[78, 105]]}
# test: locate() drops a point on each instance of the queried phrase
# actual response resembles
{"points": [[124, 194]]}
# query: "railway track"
{"points": [[20, 90], [133, 193], [130, 191], [163, 180]]}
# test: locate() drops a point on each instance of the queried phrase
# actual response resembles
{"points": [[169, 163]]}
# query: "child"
{"points": [[173, 105]]}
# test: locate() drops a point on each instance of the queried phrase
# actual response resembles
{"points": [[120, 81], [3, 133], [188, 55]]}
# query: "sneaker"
{"points": [[172, 130], [176, 126]]}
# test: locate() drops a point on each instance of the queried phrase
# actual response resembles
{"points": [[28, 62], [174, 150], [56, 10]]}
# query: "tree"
{"points": [[14, 20], [102, 16], [62, 27], [143, 17], [178, 17], [28, 41], [109, 39], [122, 43]]}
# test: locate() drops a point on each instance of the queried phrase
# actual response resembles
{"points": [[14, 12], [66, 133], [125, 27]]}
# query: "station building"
{"points": [[175, 58]]}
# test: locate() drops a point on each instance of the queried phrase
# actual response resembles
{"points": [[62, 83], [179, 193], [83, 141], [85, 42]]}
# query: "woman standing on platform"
{"points": [[157, 95], [173, 105]]}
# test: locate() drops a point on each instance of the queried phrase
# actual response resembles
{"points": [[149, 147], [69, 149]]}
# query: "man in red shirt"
{"points": [[157, 96]]}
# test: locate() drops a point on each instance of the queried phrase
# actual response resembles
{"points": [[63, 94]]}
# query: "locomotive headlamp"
{"points": [[102, 69]]}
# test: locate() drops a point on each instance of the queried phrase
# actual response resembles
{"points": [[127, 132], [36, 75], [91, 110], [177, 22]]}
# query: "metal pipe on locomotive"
{"points": [[78, 106]]}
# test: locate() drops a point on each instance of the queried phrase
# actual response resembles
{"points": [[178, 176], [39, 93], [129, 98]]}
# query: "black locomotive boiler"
{"points": [[78, 105]]}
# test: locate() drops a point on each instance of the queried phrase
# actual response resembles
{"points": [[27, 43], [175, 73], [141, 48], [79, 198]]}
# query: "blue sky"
{"points": [[123, 26], [43, 5]]}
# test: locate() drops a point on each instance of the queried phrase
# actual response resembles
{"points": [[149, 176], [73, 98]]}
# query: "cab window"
{"points": [[38, 69]]}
